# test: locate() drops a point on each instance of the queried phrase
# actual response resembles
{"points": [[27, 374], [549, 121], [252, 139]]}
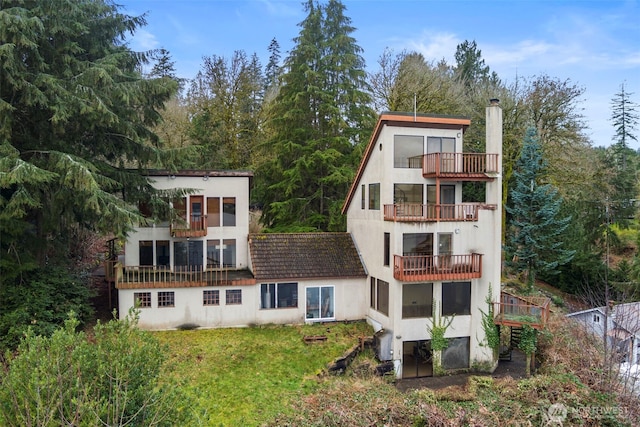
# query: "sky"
{"points": [[594, 44]]}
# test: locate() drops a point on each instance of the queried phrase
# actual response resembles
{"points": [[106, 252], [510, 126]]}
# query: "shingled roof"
{"points": [[287, 256]]}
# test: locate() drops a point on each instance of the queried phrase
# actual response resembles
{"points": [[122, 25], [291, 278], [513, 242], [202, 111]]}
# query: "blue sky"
{"points": [[594, 44]]}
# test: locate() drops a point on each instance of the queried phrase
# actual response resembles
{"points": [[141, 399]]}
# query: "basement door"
{"points": [[416, 359]]}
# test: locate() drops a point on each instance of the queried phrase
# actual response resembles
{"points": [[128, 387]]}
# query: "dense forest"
{"points": [[80, 122]]}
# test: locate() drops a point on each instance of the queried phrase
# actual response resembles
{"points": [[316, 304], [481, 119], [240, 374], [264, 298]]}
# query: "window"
{"points": [[146, 252], [596, 318], [417, 300], [234, 296], [407, 193], [142, 299], [387, 249], [374, 196], [278, 295], [213, 253], [162, 253], [363, 197], [210, 297], [372, 293], [166, 299], [382, 297], [456, 298], [441, 145], [456, 355], [213, 211], [229, 211], [229, 253], [417, 244], [320, 303], [407, 151], [188, 255]]}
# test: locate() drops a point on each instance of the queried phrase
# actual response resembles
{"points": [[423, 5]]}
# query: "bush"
{"points": [[113, 378]]}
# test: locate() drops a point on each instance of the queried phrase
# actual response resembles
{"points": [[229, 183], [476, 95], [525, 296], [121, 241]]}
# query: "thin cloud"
{"points": [[144, 40], [281, 9]]}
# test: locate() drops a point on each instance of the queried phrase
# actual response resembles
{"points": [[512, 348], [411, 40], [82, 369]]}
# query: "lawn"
{"points": [[245, 376]]}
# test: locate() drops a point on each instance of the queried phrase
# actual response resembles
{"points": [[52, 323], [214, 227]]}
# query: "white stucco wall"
{"points": [[350, 304]]}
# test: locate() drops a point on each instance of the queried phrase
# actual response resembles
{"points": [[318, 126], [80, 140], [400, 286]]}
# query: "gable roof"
{"points": [[431, 121], [290, 256]]}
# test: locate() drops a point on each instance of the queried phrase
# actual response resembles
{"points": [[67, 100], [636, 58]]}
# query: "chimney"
{"points": [[494, 146]]}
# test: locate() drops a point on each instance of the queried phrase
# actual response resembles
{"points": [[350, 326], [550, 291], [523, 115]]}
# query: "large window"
{"points": [[407, 193], [407, 151], [278, 295], [234, 296], [417, 244], [456, 298], [441, 145], [374, 196], [188, 255], [213, 253], [382, 297], [229, 253], [211, 297], [166, 299], [417, 300], [456, 355], [229, 211], [162, 253], [142, 299], [320, 303], [146, 252]]}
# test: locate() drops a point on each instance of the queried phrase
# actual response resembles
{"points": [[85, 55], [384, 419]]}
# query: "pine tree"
{"points": [[74, 123], [535, 244], [622, 159], [319, 117]]}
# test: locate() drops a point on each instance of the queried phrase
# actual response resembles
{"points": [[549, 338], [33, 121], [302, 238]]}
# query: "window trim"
{"points": [[233, 297], [166, 299], [210, 297]]}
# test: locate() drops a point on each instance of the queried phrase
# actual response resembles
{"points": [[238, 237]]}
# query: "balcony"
{"points": [[196, 227], [408, 212], [418, 268], [148, 277], [517, 311], [461, 166]]}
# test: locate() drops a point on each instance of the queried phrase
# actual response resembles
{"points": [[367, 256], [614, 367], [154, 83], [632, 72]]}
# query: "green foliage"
{"points": [[40, 300], [491, 331], [315, 124], [111, 379], [535, 243], [438, 328], [528, 340]]}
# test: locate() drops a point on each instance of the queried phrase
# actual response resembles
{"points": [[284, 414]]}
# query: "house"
{"points": [[620, 323], [419, 247], [431, 250], [206, 269]]}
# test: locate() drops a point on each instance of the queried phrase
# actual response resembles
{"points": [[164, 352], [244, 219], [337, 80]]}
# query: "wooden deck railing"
{"points": [[437, 267], [131, 277], [461, 165], [513, 310], [196, 227], [410, 212]]}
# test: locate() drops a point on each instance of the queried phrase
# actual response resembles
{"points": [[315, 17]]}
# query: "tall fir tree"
{"points": [[318, 121], [74, 132], [622, 158], [535, 242]]}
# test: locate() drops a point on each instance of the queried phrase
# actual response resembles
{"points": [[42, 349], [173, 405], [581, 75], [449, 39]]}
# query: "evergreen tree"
{"points": [[225, 99], [622, 159], [272, 71], [165, 66], [74, 120], [470, 67], [319, 117], [535, 244]]}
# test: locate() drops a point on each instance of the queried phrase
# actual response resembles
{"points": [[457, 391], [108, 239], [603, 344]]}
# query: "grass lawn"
{"points": [[245, 376]]}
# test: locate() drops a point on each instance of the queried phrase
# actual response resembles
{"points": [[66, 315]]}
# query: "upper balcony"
{"points": [[419, 268], [196, 227], [516, 311], [413, 212], [148, 276], [461, 166]]}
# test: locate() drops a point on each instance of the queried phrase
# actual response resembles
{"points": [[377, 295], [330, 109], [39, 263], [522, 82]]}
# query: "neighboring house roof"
{"points": [[589, 310], [625, 316], [432, 121], [290, 256]]}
